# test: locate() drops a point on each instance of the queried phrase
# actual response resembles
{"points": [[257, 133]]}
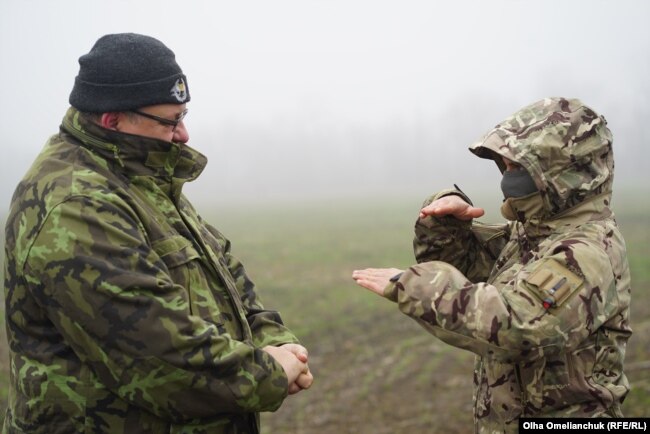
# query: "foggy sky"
{"points": [[306, 99]]}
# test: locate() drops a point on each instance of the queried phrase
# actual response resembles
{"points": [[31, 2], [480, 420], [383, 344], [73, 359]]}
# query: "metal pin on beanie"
{"points": [[179, 91], [125, 71]]}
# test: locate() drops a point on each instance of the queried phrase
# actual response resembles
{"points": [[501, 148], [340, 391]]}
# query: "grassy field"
{"points": [[377, 371]]}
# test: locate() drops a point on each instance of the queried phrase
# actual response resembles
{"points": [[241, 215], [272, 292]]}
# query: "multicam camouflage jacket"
{"points": [[543, 300], [126, 312]]}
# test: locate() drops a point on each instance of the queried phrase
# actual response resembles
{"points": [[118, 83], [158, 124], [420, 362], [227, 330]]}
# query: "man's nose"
{"points": [[180, 133]]}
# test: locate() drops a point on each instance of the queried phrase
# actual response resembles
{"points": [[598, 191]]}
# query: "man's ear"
{"points": [[110, 120]]}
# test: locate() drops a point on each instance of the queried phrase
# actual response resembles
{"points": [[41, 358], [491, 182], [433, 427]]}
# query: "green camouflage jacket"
{"points": [[126, 312], [543, 300]]}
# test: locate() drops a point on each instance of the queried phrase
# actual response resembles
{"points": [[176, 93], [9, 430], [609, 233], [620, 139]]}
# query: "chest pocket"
{"points": [[187, 268], [175, 251]]}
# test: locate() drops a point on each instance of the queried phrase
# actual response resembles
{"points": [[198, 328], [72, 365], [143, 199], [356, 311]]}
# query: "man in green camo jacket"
{"points": [[542, 300], [126, 312]]}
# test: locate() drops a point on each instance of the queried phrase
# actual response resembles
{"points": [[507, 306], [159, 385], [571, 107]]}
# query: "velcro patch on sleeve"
{"points": [[553, 283]]}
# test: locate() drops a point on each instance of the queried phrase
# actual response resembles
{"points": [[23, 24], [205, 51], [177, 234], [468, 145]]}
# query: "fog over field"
{"points": [[316, 115], [311, 99]]}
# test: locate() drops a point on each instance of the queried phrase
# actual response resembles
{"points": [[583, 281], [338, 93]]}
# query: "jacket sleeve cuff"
{"points": [[390, 291], [272, 386]]}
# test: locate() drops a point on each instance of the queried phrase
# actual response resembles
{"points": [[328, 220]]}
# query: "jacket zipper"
{"points": [[524, 398], [479, 382], [235, 302]]}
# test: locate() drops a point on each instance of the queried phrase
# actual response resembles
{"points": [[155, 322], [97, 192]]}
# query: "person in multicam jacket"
{"points": [[542, 300], [125, 311]]}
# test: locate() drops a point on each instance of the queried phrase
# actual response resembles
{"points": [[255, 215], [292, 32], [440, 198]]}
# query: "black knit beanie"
{"points": [[126, 71]]}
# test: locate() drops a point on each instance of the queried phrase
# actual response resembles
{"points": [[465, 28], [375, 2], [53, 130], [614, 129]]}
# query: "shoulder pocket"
{"points": [[553, 283]]}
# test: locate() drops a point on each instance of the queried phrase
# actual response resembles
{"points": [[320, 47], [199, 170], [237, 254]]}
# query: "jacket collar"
{"points": [[592, 209], [169, 162]]}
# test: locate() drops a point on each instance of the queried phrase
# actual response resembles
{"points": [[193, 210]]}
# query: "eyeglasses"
{"points": [[172, 123]]}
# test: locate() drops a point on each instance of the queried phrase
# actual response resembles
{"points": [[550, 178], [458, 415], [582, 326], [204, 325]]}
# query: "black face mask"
{"points": [[517, 183]]}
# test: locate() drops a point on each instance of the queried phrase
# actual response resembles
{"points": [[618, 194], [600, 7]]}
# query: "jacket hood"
{"points": [[565, 146]]}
